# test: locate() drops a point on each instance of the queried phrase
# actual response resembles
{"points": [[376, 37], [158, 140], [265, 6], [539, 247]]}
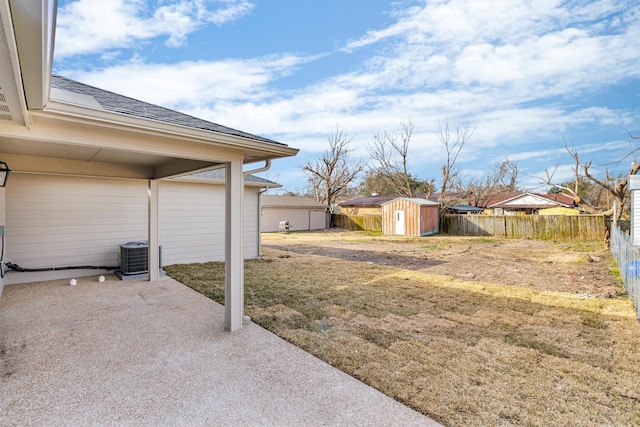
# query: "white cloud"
{"points": [[90, 26], [521, 71], [547, 46], [191, 85]]}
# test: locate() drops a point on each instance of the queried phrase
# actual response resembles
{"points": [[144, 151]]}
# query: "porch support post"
{"points": [[234, 254], [154, 241]]}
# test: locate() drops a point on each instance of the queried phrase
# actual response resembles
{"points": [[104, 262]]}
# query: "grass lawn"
{"points": [[461, 352]]}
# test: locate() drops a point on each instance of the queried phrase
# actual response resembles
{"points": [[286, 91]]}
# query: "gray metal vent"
{"points": [[5, 112]]}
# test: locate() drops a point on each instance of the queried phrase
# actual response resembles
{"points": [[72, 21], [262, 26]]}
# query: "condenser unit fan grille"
{"points": [[134, 257]]}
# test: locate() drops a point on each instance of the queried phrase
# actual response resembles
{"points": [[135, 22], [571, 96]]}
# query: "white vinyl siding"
{"points": [[251, 223], [192, 222], [58, 221]]}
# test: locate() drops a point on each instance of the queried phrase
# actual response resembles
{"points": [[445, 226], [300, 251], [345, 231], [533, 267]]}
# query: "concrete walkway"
{"points": [[134, 353]]}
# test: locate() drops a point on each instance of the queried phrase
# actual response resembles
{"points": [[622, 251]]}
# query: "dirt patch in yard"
{"points": [[471, 332], [579, 267]]}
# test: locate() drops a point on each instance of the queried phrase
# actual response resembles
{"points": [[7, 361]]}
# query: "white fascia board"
{"points": [[187, 178], [312, 208], [79, 113]]}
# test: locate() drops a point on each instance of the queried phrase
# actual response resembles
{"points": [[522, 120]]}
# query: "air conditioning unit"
{"points": [[134, 257]]}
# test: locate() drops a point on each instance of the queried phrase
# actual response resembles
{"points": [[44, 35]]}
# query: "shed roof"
{"points": [[291, 202], [416, 200]]}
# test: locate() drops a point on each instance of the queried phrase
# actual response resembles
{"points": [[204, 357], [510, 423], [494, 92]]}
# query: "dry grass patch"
{"points": [[461, 352]]}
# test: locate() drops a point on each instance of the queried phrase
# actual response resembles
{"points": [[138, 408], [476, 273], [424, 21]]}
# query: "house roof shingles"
{"points": [[115, 103]]}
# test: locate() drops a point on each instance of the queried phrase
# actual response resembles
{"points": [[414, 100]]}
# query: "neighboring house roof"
{"points": [[416, 200], [560, 198], [483, 201], [465, 208], [369, 201], [275, 201], [529, 201], [116, 103]]}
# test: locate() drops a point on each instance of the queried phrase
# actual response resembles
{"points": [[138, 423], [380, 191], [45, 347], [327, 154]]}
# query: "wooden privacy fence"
{"points": [[588, 227], [357, 222]]}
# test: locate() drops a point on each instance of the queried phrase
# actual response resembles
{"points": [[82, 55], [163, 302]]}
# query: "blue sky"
{"points": [[526, 74]]}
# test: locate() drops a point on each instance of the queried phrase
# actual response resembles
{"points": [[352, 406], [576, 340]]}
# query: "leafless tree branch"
{"points": [[332, 173]]}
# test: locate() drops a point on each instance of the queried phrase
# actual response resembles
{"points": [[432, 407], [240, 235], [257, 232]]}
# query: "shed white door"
{"points": [[400, 222]]}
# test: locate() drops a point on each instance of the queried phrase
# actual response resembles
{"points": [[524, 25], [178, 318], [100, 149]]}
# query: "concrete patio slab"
{"points": [[134, 353]]}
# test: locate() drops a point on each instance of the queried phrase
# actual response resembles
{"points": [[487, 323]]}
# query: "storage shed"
{"points": [[370, 205], [410, 217]]}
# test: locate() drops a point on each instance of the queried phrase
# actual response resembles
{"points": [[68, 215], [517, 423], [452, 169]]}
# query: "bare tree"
{"points": [[615, 187], [390, 153], [453, 144], [503, 178], [331, 174]]}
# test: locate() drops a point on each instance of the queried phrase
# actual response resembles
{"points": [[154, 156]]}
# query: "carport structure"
{"points": [[45, 130]]}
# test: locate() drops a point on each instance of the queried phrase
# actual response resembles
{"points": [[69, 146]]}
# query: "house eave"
{"points": [[188, 178], [544, 202], [80, 114]]}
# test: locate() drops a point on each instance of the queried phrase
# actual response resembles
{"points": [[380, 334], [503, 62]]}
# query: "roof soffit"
{"points": [[34, 25], [13, 105]]}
